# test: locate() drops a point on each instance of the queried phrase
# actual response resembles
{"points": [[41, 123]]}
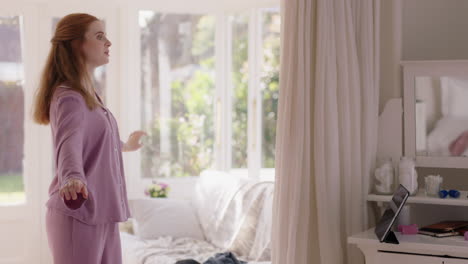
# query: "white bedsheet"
{"points": [[166, 250]]}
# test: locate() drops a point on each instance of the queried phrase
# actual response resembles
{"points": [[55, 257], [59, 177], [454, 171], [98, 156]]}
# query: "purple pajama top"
{"points": [[87, 146]]}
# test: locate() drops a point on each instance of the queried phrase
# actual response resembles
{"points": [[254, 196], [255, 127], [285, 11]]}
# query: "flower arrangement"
{"points": [[157, 190]]}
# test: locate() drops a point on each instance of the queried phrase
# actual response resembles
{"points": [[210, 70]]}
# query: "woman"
{"points": [[87, 197]]}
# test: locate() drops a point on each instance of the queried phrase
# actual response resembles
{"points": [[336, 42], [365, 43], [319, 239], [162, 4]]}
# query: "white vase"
{"points": [[407, 175], [384, 178]]}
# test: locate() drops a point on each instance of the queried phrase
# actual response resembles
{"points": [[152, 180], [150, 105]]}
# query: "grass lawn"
{"points": [[11, 188]]}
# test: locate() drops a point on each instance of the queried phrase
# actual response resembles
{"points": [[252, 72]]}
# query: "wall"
{"points": [[390, 51], [419, 30], [435, 29]]}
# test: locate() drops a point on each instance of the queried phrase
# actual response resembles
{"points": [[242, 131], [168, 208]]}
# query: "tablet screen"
{"points": [[391, 213]]}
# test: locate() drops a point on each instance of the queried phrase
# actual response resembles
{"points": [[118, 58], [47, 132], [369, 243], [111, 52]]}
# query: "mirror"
{"points": [[435, 112], [441, 116]]}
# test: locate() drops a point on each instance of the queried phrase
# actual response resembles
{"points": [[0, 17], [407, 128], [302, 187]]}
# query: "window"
{"points": [[177, 93], [209, 94], [269, 83], [11, 111], [239, 79]]}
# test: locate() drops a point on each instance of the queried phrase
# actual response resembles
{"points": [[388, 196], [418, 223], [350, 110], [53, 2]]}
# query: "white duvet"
{"points": [[166, 250]]}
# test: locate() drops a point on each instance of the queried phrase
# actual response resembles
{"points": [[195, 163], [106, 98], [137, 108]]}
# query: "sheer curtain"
{"points": [[327, 128]]}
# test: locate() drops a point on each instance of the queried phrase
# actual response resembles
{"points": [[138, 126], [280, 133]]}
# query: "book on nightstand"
{"points": [[445, 229]]}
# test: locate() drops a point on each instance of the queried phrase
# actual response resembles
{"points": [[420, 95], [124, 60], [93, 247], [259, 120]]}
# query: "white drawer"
{"points": [[401, 258]]}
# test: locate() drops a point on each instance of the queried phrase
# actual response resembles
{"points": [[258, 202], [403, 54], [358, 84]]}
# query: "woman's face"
{"points": [[96, 45]]}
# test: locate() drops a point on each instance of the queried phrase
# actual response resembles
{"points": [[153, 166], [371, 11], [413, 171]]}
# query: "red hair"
{"points": [[65, 64]]}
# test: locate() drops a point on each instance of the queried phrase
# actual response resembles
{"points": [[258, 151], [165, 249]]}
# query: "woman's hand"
{"points": [[71, 188], [133, 143]]}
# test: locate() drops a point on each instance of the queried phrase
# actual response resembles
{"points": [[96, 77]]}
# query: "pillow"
{"points": [[156, 217], [252, 239], [219, 202]]}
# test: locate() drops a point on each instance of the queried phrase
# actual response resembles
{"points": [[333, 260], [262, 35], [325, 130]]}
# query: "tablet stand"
{"points": [[391, 238]]}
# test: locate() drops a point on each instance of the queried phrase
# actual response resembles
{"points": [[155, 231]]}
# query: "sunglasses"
{"points": [[451, 193]]}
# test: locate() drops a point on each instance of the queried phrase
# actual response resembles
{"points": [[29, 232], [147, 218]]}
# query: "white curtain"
{"points": [[327, 128]]}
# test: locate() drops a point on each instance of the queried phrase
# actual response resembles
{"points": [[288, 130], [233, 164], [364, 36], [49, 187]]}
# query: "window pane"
{"points": [[239, 78], [270, 83], [177, 93], [11, 112], [99, 73]]}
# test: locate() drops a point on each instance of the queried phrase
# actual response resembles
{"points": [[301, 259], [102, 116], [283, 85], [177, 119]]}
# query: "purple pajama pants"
{"points": [[74, 242]]}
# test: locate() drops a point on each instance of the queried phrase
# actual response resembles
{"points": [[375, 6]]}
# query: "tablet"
{"points": [[383, 229]]}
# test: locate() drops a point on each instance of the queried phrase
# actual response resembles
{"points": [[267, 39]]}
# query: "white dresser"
{"points": [[413, 249]]}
